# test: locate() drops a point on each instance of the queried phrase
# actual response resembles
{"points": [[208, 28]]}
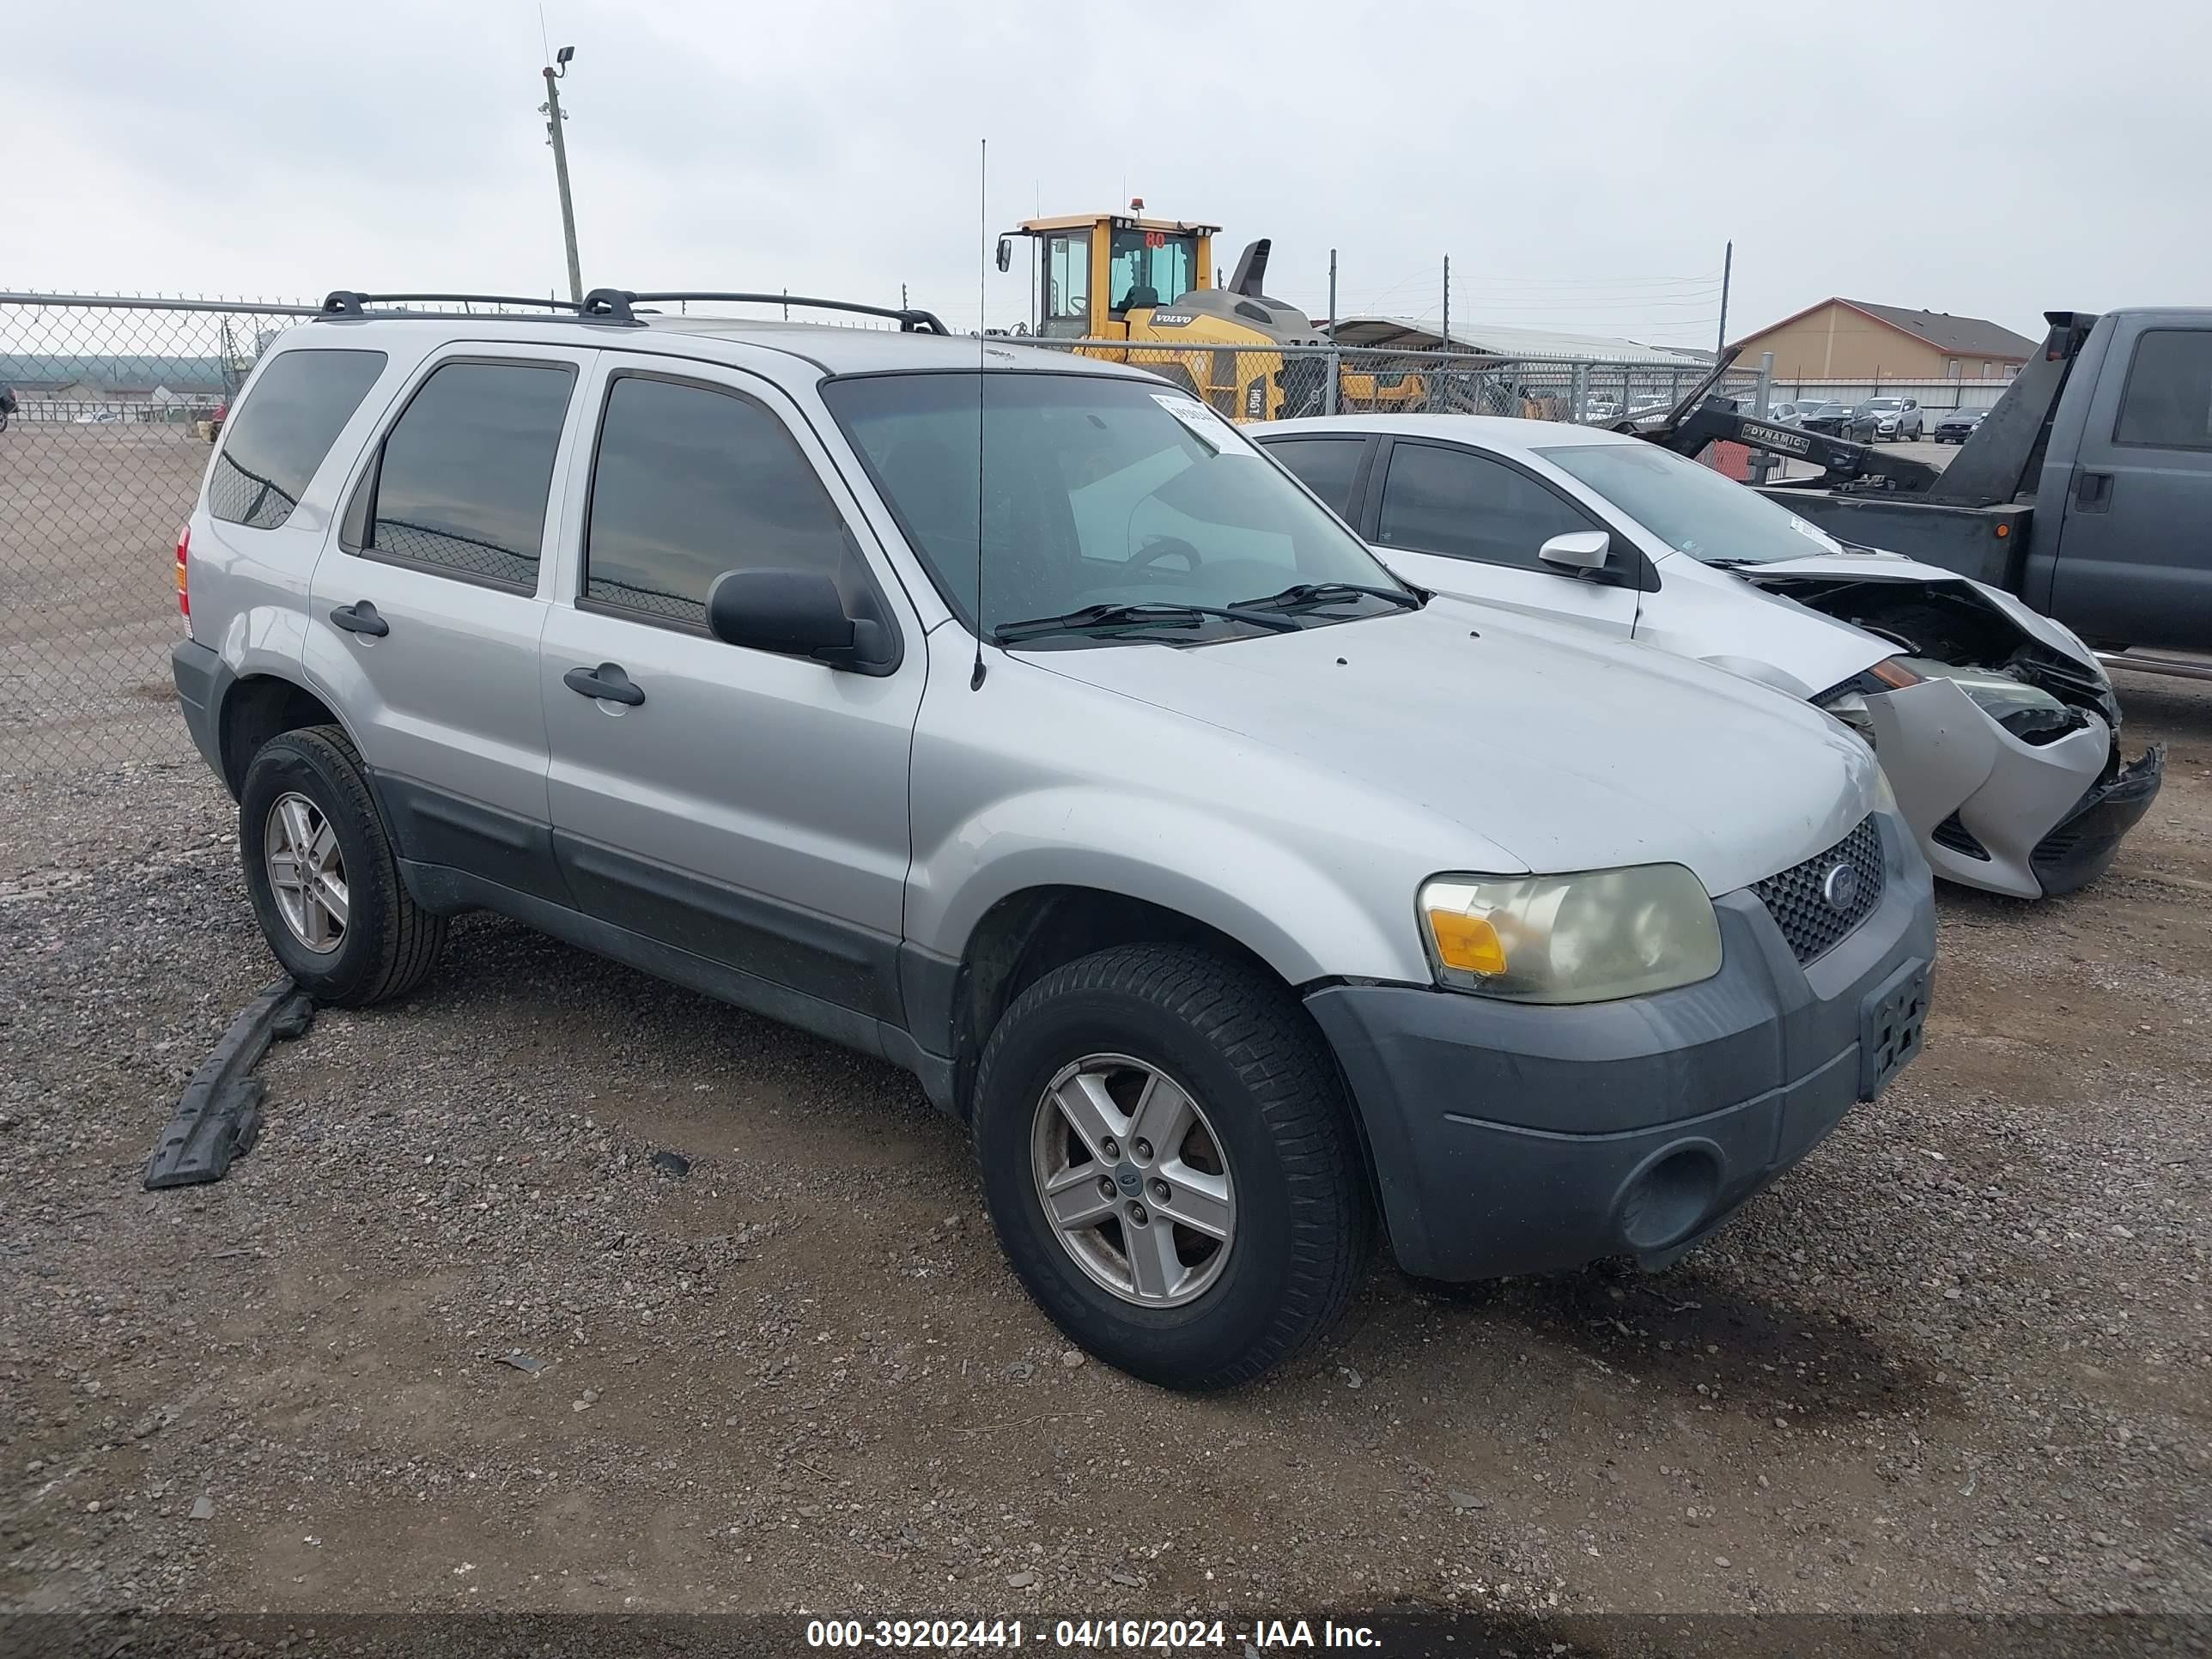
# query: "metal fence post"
{"points": [[1580, 393], [1330, 401]]}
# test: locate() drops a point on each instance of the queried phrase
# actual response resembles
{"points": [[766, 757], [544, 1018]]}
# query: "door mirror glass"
{"points": [[1005, 252], [1578, 551], [793, 613]]}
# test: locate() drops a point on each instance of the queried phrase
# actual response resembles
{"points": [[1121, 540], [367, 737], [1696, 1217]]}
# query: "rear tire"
{"points": [[306, 789], [1271, 1140]]}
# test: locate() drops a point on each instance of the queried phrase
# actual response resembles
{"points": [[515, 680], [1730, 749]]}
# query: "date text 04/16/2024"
{"points": [[1087, 1635]]}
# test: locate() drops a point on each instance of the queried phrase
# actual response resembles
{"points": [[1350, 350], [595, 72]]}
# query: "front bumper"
{"points": [[2019, 818], [2082, 847], [1508, 1139]]}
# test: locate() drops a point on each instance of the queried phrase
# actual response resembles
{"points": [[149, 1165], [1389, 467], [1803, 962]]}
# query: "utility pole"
{"points": [[1447, 327], [1331, 294], [551, 110], [1728, 268]]}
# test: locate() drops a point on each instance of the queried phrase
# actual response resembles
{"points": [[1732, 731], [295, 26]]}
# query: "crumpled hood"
{"points": [[1879, 566], [1563, 750]]}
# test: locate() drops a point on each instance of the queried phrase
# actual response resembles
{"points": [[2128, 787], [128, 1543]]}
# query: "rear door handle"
{"points": [[2092, 491], [360, 617], [607, 683]]}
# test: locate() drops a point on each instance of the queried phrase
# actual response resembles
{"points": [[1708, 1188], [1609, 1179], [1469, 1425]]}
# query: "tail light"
{"points": [[184, 592]]}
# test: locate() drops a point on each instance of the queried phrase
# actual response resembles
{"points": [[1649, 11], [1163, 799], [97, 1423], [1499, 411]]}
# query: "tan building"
{"points": [[1853, 340]]}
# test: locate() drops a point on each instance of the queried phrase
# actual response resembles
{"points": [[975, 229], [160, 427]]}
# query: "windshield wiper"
{"points": [[1164, 615], [1305, 596]]}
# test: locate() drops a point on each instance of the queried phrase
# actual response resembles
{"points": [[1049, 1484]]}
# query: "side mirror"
{"points": [[1579, 552], [1005, 252], [792, 613]]}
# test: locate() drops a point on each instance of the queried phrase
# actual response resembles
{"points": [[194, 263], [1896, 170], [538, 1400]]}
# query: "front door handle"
{"points": [[360, 617], [607, 683], [2092, 491]]}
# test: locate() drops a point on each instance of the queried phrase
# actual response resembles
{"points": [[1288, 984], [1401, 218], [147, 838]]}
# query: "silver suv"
{"points": [[1011, 716]]}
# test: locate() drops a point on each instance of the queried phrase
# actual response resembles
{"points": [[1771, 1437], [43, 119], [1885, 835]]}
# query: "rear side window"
{"points": [[1327, 466], [271, 450], [1468, 507], [691, 482], [462, 481], [2168, 401]]}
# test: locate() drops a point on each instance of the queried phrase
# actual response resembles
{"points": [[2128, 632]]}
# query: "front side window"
{"points": [[1067, 284], [1692, 508], [1327, 466], [2168, 401], [691, 482], [462, 482], [271, 450], [1095, 490], [1150, 268], [1469, 506]]}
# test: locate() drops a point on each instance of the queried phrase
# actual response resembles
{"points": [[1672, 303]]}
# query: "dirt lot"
{"points": [[1959, 1360]]}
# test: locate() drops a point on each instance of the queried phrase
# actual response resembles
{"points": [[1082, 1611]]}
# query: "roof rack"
{"points": [[347, 302], [614, 304]]}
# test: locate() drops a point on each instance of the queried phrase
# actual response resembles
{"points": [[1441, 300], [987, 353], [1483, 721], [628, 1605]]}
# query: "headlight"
{"points": [[1885, 798], [1590, 937]]}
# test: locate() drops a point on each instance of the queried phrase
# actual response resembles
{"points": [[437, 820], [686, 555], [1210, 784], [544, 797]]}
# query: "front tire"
{"points": [[1182, 1120], [322, 876]]}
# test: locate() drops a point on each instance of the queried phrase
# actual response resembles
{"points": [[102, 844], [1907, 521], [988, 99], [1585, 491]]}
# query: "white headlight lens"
{"points": [[1590, 937]]}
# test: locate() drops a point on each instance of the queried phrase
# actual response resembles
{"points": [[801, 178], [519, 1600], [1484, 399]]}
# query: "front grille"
{"points": [[1797, 899], [1954, 836]]}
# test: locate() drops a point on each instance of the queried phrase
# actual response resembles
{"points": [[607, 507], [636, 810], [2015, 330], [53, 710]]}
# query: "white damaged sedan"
{"points": [[1997, 728]]}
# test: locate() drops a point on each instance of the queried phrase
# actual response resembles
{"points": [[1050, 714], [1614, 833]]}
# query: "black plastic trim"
{"points": [[815, 955], [441, 888], [431, 826]]}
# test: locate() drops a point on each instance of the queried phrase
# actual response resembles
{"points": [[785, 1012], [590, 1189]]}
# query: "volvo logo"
{"points": [[1839, 888]]}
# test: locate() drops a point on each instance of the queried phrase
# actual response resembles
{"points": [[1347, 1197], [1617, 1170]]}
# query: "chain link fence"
{"points": [[117, 403], [1286, 382]]}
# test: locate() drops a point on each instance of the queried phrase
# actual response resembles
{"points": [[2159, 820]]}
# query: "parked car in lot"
{"points": [[1959, 425], [1896, 419], [1826, 416], [1997, 727], [1029, 727]]}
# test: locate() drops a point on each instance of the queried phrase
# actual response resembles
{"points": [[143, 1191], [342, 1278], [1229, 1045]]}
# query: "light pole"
{"points": [[551, 110]]}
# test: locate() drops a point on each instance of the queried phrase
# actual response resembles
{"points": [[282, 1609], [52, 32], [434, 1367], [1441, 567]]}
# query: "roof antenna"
{"points": [[982, 235]]}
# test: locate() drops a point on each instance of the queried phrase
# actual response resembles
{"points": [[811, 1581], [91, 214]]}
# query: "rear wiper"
{"points": [[1135, 616], [1304, 596]]}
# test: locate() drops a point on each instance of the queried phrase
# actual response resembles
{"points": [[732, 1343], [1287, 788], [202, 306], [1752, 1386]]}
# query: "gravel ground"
{"points": [[1958, 1360]]}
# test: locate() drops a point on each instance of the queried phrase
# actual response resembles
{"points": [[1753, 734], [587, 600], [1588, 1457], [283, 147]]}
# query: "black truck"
{"points": [[2086, 490]]}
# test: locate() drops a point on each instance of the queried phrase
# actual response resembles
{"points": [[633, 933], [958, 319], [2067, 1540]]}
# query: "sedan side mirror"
{"points": [[792, 613], [1579, 552]]}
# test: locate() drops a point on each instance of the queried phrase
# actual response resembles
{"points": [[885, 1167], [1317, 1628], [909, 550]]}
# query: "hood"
{"points": [[1565, 750], [1827, 575]]}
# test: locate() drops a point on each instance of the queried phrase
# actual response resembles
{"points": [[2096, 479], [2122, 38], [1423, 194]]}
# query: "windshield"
{"points": [[1692, 508], [1881, 406], [1154, 266], [1097, 490]]}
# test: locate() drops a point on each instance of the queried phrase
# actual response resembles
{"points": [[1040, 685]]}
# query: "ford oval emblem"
{"points": [[1839, 888]]}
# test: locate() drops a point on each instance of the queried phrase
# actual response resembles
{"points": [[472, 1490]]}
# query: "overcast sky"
{"points": [[1582, 162]]}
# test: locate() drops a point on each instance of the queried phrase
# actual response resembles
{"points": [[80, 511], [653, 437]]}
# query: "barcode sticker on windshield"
{"points": [[1813, 533], [1219, 435]]}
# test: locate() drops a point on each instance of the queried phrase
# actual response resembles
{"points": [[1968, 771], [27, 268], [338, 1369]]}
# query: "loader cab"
{"points": [[1090, 271]]}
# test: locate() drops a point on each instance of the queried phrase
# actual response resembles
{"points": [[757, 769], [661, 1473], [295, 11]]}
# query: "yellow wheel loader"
{"points": [[1119, 277]]}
